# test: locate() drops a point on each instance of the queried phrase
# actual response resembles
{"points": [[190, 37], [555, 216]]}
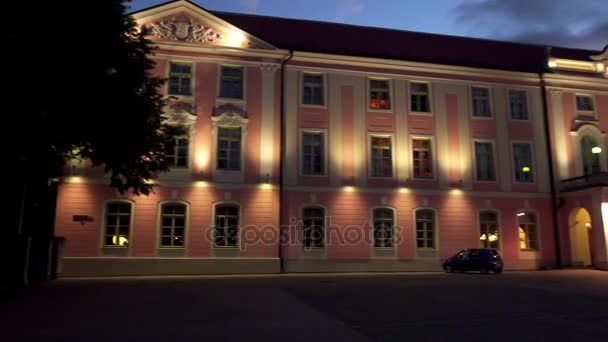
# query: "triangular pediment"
{"points": [[185, 22]]}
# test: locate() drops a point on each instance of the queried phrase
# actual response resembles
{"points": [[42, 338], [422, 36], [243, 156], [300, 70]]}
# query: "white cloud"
{"points": [[348, 8], [250, 6]]}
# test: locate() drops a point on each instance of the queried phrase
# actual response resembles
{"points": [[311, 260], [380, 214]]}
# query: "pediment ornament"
{"points": [[184, 29]]}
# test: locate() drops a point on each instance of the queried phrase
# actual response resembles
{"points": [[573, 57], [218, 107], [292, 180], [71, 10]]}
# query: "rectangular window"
{"points": [[229, 148], [313, 150], [488, 229], [312, 89], [420, 97], [522, 162], [382, 164], [584, 103], [422, 158], [527, 231], [518, 103], [384, 224], [313, 225], [484, 161], [379, 94], [176, 151], [231, 83], [226, 228], [481, 102], [180, 79], [173, 225], [425, 229], [117, 225]]}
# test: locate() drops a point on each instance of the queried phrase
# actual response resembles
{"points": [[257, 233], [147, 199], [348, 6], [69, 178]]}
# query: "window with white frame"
{"points": [[176, 150], [173, 225], [381, 153], [488, 229], [312, 89], [425, 229], [527, 228], [229, 148], [584, 103], [313, 227], [591, 159], [180, 79], [384, 227], [379, 94], [518, 104], [419, 97], [480, 102], [117, 224], [522, 162], [422, 158], [484, 161], [231, 82], [226, 229], [313, 150]]}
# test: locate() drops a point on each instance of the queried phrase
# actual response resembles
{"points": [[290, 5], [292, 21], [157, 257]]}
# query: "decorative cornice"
{"points": [[184, 29], [602, 56], [229, 109]]}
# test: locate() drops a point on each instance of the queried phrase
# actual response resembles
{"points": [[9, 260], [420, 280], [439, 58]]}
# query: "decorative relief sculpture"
{"points": [[186, 30]]}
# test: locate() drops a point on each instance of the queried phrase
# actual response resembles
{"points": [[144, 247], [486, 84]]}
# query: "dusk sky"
{"points": [[570, 23]]}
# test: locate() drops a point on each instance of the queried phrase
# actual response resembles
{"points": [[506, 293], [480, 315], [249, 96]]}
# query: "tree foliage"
{"points": [[80, 85]]}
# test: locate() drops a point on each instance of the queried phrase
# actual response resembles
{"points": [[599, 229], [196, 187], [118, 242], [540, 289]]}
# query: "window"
{"points": [[522, 162], [229, 148], [591, 161], [425, 229], [313, 160], [226, 230], [518, 103], [488, 229], [481, 102], [422, 158], [379, 94], [173, 225], [231, 82], [312, 89], [176, 151], [527, 231], [584, 103], [382, 165], [420, 97], [180, 79], [313, 226], [118, 224], [484, 161], [384, 226]]}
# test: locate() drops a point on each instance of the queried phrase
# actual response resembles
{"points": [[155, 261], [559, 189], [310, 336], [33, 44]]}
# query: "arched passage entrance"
{"points": [[580, 237]]}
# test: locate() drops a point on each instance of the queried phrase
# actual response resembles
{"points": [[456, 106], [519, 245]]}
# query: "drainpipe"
{"points": [[554, 204], [282, 163]]}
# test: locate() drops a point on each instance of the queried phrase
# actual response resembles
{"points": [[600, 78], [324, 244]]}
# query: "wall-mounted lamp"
{"points": [[596, 150], [521, 214]]}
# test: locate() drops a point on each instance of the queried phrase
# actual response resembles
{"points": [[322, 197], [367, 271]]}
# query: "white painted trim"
{"points": [[369, 95], [592, 131], [322, 131], [474, 161], [223, 100], [102, 231], [585, 113], [429, 95], [370, 136], [178, 60], [498, 223], [435, 230], [528, 108], [159, 224], [214, 206], [490, 102], [234, 121], [267, 128], [301, 103], [529, 253], [396, 231], [434, 158], [300, 229], [532, 158]]}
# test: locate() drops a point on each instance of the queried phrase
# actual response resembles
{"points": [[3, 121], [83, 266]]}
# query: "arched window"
{"points": [[313, 226], [527, 231], [118, 224], [488, 229], [226, 230], [384, 226], [425, 229], [591, 160], [173, 225]]}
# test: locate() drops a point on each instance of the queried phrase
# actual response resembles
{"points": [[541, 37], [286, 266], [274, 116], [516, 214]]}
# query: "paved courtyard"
{"points": [[565, 305]]}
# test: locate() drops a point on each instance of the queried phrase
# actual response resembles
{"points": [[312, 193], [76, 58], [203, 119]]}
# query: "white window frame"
{"points": [[301, 227], [301, 151], [188, 136], [538, 248], [231, 120], [192, 82], [390, 95], [390, 136], [104, 221], [490, 103], [498, 223], [160, 224], [433, 157], [429, 95], [221, 99], [435, 229], [532, 158], [585, 113], [484, 141], [527, 97], [239, 226], [301, 89], [373, 227]]}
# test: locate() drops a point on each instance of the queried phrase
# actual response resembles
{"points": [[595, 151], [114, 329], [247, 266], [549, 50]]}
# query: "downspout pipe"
{"points": [[554, 200], [283, 238]]}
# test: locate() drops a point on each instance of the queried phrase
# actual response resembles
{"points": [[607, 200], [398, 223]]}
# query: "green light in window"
{"points": [[525, 169]]}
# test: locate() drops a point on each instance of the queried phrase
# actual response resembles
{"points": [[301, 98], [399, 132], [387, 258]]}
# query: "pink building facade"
{"points": [[306, 152]]}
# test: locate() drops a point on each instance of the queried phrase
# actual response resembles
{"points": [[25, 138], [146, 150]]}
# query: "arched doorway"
{"points": [[590, 151], [581, 251]]}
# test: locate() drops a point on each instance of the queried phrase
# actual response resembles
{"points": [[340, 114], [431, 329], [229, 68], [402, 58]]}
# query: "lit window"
{"points": [[584, 103], [384, 224], [180, 79], [422, 158], [518, 103], [176, 151], [420, 97], [527, 231], [312, 89], [591, 161], [226, 228], [173, 225], [425, 229], [484, 161], [382, 165], [379, 94], [229, 148], [481, 102], [231, 83], [313, 161], [118, 223], [488, 229], [522, 163], [313, 226]]}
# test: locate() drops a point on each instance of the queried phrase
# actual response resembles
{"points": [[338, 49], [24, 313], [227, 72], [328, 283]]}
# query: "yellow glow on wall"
{"points": [[456, 192], [265, 186], [201, 184], [404, 191], [605, 220], [348, 188], [237, 39], [202, 158], [74, 179]]}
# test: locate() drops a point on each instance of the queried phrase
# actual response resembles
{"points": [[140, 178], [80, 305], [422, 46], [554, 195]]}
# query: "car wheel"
{"points": [[448, 269], [483, 270], [498, 270]]}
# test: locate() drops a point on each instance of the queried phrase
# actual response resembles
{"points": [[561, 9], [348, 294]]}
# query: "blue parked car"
{"points": [[483, 260]]}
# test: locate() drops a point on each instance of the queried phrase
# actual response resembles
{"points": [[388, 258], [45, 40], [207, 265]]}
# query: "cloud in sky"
{"points": [[250, 6], [348, 8], [582, 23]]}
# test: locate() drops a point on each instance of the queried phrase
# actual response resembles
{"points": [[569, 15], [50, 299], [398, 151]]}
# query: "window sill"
{"points": [[491, 117], [231, 100], [378, 110], [421, 113], [313, 106], [314, 176]]}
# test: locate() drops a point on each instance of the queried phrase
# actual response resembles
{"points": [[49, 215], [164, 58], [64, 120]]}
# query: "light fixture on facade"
{"points": [[588, 225], [521, 214], [526, 169], [596, 150], [348, 188]]}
